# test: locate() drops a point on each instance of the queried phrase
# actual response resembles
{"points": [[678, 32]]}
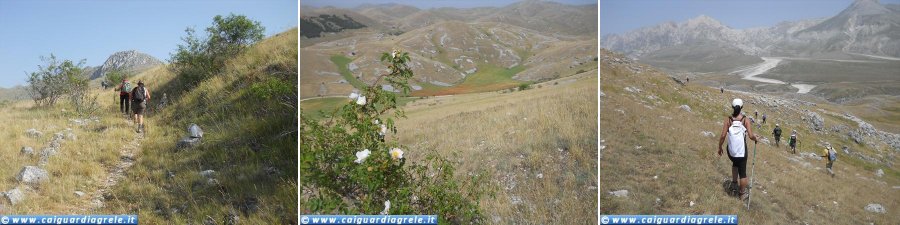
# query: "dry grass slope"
{"points": [[81, 163], [657, 152], [539, 146], [249, 141]]}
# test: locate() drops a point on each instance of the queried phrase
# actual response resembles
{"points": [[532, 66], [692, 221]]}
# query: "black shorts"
{"points": [[741, 164], [138, 107]]}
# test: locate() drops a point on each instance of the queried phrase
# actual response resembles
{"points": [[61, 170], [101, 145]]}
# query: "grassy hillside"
{"points": [[248, 114], [90, 147], [538, 146], [657, 151]]}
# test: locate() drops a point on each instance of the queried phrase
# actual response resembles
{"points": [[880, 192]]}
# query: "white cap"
{"points": [[737, 102]]}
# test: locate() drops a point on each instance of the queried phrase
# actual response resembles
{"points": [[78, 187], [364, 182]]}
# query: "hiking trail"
{"points": [[117, 172]]}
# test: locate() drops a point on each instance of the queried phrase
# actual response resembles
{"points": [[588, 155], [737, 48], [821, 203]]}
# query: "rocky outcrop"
{"points": [[130, 61], [816, 122]]}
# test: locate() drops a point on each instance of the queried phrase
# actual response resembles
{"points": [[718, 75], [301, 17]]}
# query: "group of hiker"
{"points": [[736, 129], [133, 102]]}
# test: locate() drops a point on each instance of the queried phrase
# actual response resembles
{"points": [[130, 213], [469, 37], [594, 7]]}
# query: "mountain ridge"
{"points": [[859, 28]]}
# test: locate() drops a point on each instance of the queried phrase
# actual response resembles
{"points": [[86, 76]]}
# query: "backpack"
{"points": [[832, 155], [137, 95], [777, 132], [737, 140]]}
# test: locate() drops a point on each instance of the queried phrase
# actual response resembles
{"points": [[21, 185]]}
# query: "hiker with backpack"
{"points": [[830, 155], [736, 129], [124, 90], [139, 98], [793, 141], [764, 118], [777, 133]]}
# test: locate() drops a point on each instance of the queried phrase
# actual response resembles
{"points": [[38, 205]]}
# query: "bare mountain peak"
{"points": [[129, 61], [866, 7], [703, 20]]}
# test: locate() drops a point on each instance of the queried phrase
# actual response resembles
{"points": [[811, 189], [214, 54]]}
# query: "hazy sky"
{"points": [[426, 4], [619, 16], [93, 30]]}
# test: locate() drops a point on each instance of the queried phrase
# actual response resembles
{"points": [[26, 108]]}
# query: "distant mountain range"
{"points": [[865, 27], [544, 16], [525, 41]]}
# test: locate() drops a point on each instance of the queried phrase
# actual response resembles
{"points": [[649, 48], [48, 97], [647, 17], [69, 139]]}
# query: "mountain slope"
{"points": [[249, 119], [449, 57], [865, 27], [130, 61], [654, 145]]}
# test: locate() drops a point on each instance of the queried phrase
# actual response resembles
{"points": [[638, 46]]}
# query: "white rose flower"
{"points": [[353, 96], [396, 153], [383, 129], [361, 100], [387, 207], [377, 122], [362, 155]]}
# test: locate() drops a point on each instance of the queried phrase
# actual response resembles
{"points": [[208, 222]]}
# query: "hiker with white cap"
{"points": [[830, 155], [737, 128], [777, 133], [793, 141]]}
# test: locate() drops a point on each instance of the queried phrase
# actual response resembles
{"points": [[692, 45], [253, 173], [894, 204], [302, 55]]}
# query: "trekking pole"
{"points": [[750, 186]]}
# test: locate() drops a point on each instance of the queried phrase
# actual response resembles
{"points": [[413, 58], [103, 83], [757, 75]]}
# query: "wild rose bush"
{"points": [[347, 166]]}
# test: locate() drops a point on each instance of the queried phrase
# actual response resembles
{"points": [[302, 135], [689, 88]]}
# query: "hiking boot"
{"points": [[734, 188]]}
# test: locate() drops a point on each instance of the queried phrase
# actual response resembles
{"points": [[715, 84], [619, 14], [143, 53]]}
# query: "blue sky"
{"points": [[93, 30], [619, 16], [426, 4]]}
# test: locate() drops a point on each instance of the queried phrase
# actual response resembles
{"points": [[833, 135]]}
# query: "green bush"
{"points": [[55, 80], [202, 57], [115, 77], [524, 86], [347, 167]]}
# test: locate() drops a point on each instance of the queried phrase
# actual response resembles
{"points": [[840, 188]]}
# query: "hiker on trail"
{"points": [[755, 113], [124, 96], [140, 96], [722, 90], [793, 141], [777, 133], [737, 128], [830, 155], [104, 84], [163, 102], [764, 118]]}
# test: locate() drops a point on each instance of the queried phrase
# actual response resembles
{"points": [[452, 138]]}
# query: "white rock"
{"points": [[619, 193], [879, 173], [15, 196], [27, 150], [195, 131], [32, 175], [208, 173], [692, 204], [79, 193], [685, 108], [875, 208], [33, 133]]}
